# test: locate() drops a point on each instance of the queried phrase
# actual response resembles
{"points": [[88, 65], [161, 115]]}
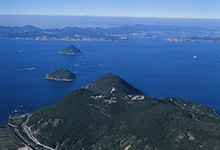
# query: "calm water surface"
{"points": [[157, 67]]}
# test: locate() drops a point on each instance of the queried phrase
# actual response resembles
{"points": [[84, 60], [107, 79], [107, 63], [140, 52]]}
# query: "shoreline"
{"points": [[74, 40], [55, 79], [69, 53]]}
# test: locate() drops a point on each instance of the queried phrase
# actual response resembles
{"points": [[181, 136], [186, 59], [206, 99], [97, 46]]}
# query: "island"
{"points": [[61, 74], [70, 50]]}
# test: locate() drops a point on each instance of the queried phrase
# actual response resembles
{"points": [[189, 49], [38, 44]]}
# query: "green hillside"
{"points": [[111, 114], [61, 74], [113, 82], [70, 50]]}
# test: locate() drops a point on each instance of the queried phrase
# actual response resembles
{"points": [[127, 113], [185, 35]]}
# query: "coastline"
{"points": [[69, 53], [59, 79], [75, 40]]}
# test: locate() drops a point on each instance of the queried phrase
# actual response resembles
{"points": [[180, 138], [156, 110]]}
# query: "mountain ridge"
{"points": [[120, 33], [87, 119]]}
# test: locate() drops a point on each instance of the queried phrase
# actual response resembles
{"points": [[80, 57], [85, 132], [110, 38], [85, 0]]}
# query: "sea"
{"points": [[186, 70]]}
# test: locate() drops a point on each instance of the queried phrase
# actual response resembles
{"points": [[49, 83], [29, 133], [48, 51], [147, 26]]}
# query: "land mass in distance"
{"points": [[122, 33]]}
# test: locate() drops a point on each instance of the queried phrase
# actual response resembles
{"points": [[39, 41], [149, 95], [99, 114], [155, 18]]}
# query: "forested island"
{"points": [[70, 50], [61, 74]]}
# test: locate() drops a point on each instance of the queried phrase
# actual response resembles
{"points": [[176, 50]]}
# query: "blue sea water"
{"points": [[157, 67]]}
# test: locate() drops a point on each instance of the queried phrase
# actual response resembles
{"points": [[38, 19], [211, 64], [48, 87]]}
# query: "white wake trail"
{"points": [[14, 70]]}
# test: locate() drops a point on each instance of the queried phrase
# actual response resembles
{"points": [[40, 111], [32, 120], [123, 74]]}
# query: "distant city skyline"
{"points": [[115, 8]]}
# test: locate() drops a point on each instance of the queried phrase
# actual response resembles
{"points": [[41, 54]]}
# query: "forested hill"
{"points": [[109, 113]]}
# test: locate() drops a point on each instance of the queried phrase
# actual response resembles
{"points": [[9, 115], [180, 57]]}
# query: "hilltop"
{"points": [[109, 113], [111, 82], [70, 50], [61, 74]]}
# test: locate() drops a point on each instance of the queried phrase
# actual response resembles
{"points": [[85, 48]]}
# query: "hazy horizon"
{"points": [[128, 8], [60, 21]]}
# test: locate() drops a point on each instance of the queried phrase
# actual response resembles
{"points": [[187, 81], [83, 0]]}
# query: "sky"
{"points": [[209, 9]]}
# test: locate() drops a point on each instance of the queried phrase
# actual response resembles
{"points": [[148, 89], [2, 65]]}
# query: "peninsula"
{"points": [[70, 50], [109, 113], [61, 74]]}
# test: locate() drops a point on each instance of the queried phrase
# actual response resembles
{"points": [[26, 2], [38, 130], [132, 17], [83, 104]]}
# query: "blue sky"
{"points": [[128, 8]]}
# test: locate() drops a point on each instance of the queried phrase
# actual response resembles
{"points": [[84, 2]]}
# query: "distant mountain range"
{"points": [[109, 113], [67, 34], [45, 21], [121, 33]]}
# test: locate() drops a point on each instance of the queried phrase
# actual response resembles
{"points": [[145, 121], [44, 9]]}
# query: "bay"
{"points": [[157, 67]]}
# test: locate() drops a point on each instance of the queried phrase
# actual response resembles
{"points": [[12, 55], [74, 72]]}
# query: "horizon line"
{"points": [[106, 16], [97, 26]]}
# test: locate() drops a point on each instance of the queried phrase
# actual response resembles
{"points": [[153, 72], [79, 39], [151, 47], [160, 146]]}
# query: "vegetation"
{"points": [[61, 74], [65, 34], [122, 33], [8, 139], [70, 50], [111, 114], [105, 84]]}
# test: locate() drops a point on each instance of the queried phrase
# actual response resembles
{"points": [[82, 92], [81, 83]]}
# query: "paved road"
{"points": [[30, 134]]}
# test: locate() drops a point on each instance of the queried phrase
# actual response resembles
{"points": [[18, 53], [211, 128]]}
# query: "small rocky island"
{"points": [[70, 50], [61, 74]]}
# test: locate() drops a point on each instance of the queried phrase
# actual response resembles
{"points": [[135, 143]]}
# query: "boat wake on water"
{"points": [[5, 71]]}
